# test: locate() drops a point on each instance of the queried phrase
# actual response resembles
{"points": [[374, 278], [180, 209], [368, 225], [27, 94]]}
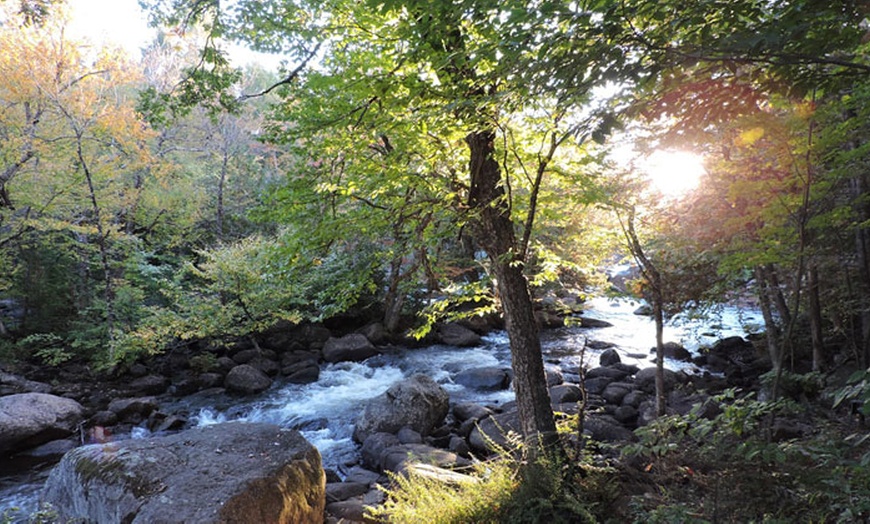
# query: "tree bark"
{"points": [[815, 313], [496, 232]]}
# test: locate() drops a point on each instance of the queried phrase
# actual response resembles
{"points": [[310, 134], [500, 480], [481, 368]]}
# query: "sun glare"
{"points": [[674, 173]]}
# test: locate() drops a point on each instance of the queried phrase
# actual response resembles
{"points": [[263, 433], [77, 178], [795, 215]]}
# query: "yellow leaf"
{"points": [[750, 136]]}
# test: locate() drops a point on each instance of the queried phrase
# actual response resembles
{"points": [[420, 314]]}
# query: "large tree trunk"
{"points": [[496, 232]]}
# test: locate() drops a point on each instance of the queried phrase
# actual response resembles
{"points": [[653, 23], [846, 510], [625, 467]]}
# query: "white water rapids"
{"points": [[324, 411]]}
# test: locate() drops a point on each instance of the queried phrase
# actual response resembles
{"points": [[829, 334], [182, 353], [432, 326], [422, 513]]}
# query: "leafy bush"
{"points": [[730, 469]]}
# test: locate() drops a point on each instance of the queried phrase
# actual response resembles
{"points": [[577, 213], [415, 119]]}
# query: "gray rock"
{"points": [[354, 347], [646, 379], [303, 372], [616, 391], [12, 384], [605, 429], [626, 415], [612, 373], [470, 411], [233, 472], [135, 408], [595, 386], [409, 436], [247, 380], [28, 420], [676, 352], [417, 402], [453, 334], [609, 357], [484, 378], [491, 433], [565, 393], [587, 322], [338, 491], [150, 384], [396, 458], [554, 376]]}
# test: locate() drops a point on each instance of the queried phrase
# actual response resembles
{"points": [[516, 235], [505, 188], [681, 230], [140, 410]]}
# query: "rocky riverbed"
{"points": [[366, 403]]}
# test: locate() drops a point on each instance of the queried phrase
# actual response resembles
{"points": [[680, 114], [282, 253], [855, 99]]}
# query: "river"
{"points": [[324, 411]]}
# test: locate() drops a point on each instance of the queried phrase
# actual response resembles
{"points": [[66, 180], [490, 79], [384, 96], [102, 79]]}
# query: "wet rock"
{"points": [[609, 357], [484, 378], [676, 352], [644, 311], [30, 419], [247, 380], [304, 372], [133, 410], [453, 334], [417, 402], [634, 398], [233, 472], [599, 344], [375, 332], [354, 347], [587, 322]]}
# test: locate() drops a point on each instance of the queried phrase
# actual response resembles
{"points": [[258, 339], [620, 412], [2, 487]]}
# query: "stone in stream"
{"points": [[232, 472], [28, 420], [354, 347], [417, 402], [453, 334], [247, 380]]}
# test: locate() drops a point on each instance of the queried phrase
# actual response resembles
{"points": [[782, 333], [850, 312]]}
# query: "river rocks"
{"points": [[609, 357], [30, 419], [150, 384], [247, 380], [132, 410], [233, 472], [646, 379], [675, 351], [484, 378], [417, 402], [491, 433], [453, 334], [354, 347], [11, 384]]}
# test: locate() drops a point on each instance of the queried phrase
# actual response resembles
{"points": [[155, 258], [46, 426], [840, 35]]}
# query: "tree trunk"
{"points": [[862, 252], [770, 326], [496, 231], [815, 313]]}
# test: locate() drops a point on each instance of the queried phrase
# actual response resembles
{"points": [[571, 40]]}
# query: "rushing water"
{"points": [[324, 411]]}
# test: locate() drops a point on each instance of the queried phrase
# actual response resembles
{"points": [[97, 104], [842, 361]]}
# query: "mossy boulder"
{"points": [[232, 472]]}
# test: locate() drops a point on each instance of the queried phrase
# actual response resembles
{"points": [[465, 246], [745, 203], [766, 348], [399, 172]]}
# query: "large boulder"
{"points": [[456, 335], [354, 347], [493, 432], [232, 472], [417, 402], [30, 419], [247, 380]]}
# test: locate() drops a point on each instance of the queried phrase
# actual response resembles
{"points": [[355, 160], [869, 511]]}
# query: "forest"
{"points": [[419, 162]]}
